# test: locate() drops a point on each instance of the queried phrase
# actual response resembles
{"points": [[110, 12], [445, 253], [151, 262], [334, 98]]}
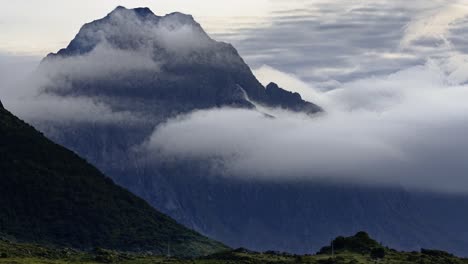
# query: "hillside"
{"points": [[50, 195], [28, 254]]}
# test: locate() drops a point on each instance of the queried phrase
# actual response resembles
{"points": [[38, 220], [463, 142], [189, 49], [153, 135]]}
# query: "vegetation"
{"points": [[51, 196], [360, 243], [33, 254]]}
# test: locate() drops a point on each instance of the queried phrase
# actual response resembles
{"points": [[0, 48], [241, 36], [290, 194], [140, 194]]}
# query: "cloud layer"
{"points": [[406, 129], [394, 91], [327, 42]]}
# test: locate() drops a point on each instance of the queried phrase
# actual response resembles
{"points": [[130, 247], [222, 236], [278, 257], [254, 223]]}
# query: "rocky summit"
{"points": [[168, 64]]}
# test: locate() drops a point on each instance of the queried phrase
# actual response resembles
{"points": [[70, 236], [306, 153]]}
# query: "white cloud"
{"points": [[21, 87], [406, 128], [103, 62], [434, 23]]}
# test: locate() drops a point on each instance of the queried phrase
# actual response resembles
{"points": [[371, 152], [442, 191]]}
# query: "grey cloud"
{"points": [[21, 91], [103, 62], [340, 35], [401, 129]]}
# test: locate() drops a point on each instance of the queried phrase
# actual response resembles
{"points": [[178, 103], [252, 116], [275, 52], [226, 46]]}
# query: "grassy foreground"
{"points": [[351, 250]]}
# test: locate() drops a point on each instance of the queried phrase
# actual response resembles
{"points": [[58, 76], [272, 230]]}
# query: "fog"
{"points": [[407, 128]]}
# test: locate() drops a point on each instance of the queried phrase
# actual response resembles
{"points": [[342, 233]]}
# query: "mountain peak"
{"points": [[187, 19], [135, 29], [140, 11], [273, 86], [289, 100], [1, 105]]}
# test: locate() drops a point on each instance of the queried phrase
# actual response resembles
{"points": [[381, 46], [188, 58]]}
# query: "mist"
{"points": [[406, 129], [123, 48]]}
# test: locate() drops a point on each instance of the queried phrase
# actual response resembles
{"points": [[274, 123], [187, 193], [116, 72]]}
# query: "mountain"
{"points": [[146, 69], [50, 195], [184, 70]]}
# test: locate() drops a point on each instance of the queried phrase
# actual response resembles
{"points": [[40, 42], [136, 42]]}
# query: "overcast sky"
{"points": [[320, 41]]}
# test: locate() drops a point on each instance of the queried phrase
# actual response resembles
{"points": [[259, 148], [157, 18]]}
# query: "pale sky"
{"points": [[39, 27], [321, 41]]}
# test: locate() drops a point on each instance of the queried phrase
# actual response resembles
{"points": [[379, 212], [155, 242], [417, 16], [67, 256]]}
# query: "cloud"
{"points": [[340, 41], [124, 50], [114, 63], [434, 24], [405, 128], [22, 88], [141, 30], [102, 62], [391, 117]]}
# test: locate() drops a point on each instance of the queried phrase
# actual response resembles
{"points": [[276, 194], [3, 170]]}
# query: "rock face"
{"points": [[157, 67], [289, 100], [50, 195]]}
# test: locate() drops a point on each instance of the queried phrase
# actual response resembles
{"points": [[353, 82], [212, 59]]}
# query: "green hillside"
{"points": [[33, 254], [51, 196]]}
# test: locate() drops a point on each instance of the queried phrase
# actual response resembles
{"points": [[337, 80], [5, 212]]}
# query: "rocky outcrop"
{"points": [[289, 100]]}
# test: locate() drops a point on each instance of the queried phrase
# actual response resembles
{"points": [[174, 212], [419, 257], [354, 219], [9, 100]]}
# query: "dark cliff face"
{"points": [[289, 100]]}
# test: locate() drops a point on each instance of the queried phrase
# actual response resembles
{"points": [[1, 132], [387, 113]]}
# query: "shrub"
{"points": [[436, 253], [378, 253]]}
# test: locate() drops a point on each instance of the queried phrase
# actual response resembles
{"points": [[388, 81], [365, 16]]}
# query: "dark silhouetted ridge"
{"points": [[50, 195], [289, 100]]}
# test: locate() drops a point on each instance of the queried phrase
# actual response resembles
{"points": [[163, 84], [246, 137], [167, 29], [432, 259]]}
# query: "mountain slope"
{"points": [[50, 195]]}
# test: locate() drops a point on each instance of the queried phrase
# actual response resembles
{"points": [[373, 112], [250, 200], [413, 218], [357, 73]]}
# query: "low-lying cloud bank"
{"points": [[408, 128], [22, 87]]}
